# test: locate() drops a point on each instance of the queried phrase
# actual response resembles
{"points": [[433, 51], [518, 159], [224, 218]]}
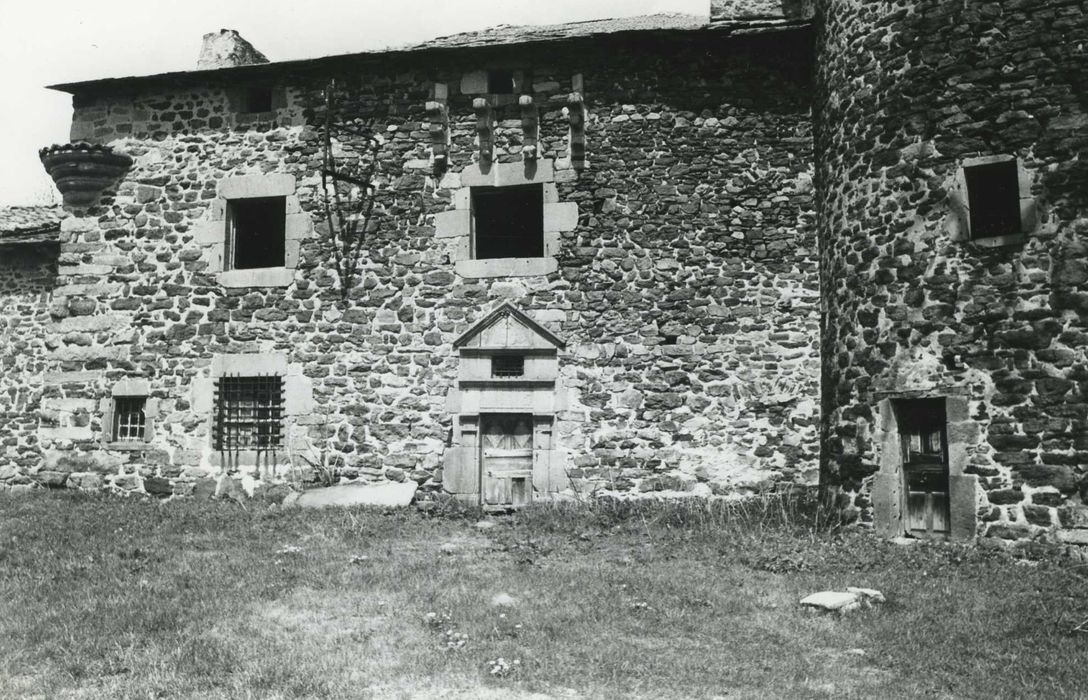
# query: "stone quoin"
{"points": [[794, 243]]}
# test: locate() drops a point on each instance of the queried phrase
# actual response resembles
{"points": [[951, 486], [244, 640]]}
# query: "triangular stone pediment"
{"points": [[508, 328]]}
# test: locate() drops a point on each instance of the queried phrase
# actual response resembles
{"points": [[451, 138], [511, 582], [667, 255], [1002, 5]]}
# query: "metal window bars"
{"points": [[249, 413], [507, 365], [128, 418]]}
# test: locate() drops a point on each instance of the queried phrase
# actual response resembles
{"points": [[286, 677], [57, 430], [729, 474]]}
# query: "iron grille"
{"points": [[128, 418], [249, 413], [507, 365]]}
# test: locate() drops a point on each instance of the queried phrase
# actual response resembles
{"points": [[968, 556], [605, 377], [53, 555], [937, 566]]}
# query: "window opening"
{"points": [[249, 413], [993, 195], [508, 366], [924, 445], [129, 418], [257, 99], [500, 82], [257, 233], [508, 222]]}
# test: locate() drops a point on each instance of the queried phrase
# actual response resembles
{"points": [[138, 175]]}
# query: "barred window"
{"points": [[507, 365], [249, 413], [128, 418]]}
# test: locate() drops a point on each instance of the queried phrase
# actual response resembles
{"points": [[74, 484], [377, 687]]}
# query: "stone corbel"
{"points": [[485, 128], [576, 115], [530, 127], [82, 171], [438, 117]]}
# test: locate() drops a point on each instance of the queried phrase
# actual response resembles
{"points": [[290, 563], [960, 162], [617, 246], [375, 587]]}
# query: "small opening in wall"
{"points": [[129, 418], [993, 195], [508, 222], [500, 82], [669, 339], [257, 99], [508, 366], [256, 233]]}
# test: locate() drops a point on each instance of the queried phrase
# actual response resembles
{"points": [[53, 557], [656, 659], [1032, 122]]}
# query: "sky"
{"points": [[44, 42]]}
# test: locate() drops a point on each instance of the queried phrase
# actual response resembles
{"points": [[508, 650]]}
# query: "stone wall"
{"points": [[686, 289], [907, 91], [27, 276]]}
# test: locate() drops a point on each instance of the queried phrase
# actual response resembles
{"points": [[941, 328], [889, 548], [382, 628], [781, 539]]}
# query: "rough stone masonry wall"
{"points": [[687, 293], [906, 90], [27, 275]]}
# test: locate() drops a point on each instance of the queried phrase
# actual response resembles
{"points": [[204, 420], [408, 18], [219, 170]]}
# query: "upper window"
{"points": [[256, 233], [500, 82], [249, 413], [508, 222], [257, 99], [993, 195], [129, 419]]}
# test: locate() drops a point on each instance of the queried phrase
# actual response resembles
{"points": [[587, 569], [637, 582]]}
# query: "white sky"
{"points": [[44, 42]]}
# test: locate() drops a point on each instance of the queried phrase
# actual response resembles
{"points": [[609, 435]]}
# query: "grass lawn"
{"points": [[102, 597]]}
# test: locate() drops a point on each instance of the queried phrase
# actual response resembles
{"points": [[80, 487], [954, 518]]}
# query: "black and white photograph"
{"points": [[532, 350]]}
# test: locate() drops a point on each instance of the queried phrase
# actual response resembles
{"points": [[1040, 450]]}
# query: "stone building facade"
{"points": [[952, 190], [606, 253], [661, 336]]}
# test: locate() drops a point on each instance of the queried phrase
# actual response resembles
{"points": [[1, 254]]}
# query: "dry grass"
{"points": [[101, 597]]}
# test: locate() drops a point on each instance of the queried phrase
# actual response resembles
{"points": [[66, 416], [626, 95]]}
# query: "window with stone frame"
{"points": [[249, 412], [129, 419], [993, 196], [256, 233], [508, 222], [507, 365]]}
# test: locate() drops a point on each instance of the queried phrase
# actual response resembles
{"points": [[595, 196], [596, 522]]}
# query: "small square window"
{"points": [[500, 82], [993, 195], [248, 413], [257, 99], [508, 366], [508, 222], [129, 419], [256, 233]]}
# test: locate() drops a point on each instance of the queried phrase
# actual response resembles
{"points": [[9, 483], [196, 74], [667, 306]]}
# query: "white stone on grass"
{"points": [[843, 601], [503, 600], [387, 495]]}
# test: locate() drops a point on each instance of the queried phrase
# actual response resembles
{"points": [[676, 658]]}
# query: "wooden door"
{"points": [[925, 468], [506, 459]]}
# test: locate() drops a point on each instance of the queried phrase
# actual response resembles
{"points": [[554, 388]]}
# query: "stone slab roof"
{"points": [[30, 224], [752, 21]]}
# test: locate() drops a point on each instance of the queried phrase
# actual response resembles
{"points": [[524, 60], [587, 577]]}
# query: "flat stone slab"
{"points": [[843, 601], [388, 495]]}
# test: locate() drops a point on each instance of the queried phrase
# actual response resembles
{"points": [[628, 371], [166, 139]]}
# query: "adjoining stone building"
{"points": [[600, 270]]}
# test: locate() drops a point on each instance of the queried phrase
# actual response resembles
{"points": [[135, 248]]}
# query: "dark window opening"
{"points": [[248, 413], [257, 99], [924, 444], [500, 82], [257, 230], [669, 339], [993, 195], [508, 366], [128, 418], [508, 221]]}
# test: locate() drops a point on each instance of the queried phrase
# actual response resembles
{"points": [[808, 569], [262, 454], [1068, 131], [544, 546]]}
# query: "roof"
{"points": [[30, 224], [499, 36], [507, 35]]}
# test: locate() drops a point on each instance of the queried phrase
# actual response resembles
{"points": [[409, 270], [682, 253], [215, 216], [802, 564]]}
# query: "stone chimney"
{"points": [[225, 49]]}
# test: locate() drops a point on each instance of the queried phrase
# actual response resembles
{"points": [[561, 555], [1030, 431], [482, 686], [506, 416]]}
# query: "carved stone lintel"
{"points": [[83, 171]]}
